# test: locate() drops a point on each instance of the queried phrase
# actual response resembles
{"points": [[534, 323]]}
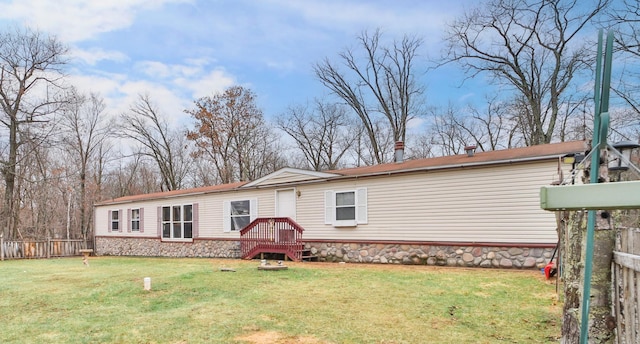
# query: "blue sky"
{"points": [[179, 50]]}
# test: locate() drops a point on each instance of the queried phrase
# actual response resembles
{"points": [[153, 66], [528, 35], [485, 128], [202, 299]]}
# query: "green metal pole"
{"points": [[599, 137]]}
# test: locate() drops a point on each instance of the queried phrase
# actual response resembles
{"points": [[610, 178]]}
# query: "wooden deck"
{"points": [[272, 235]]}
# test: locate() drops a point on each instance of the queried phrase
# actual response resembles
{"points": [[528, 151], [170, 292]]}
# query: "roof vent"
{"points": [[399, 151], [471, 149]]}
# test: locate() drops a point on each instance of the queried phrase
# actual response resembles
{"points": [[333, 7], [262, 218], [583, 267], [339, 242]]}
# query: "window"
{"points": [[135, 220], [115, 220], [238, 214], [177, 222], [346, 208]]}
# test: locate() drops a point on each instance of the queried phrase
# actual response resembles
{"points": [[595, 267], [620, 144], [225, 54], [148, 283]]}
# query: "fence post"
{"points": [[48, 247], [1, 246]]}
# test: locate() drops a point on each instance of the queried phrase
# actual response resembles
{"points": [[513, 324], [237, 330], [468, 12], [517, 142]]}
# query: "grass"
{"points": [[192, 301]]}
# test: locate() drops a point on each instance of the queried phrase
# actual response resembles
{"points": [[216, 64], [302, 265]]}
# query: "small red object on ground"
{"points": [[550, 270]]}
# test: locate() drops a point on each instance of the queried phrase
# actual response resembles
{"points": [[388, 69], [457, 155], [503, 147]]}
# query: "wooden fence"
{"points": [[626, 281], [47, 248]]}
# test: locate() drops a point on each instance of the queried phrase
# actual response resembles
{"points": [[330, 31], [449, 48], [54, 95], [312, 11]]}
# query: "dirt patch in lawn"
{"points": [[273, 337]]}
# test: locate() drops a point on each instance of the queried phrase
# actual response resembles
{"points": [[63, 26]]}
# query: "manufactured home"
{"points": [[476, 209]]}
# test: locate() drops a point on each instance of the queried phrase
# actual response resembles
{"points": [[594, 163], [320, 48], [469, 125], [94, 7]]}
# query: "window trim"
{"points": [[226, 213], [360, 205], [346, 222], [172, 222], [117, 221], [133, 220]]}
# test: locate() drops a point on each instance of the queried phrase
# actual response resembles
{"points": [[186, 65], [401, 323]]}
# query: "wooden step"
{"points": [[308, 256]]}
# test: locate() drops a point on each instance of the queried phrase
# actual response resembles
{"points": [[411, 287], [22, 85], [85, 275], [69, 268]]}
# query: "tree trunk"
{"points": [[9, 172], [83, 201], [601, 323], [572, 233]]}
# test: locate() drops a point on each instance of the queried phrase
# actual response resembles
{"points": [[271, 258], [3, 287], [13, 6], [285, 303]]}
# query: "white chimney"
{"points": [[399, 151], [470, 149]]}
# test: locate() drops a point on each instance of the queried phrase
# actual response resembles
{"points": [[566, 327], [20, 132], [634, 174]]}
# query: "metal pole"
{"points": [[599, 140]]}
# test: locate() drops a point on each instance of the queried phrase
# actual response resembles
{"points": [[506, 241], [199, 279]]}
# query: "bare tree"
{"points": [[625, 21], [231, 133], [167, 148], [495, 126], [450, 131], [379, 81], [531, 46], [40, 181], [131, 175], [420, 146], [30, 79], [321, 133], [84, 133], [489, 126]]}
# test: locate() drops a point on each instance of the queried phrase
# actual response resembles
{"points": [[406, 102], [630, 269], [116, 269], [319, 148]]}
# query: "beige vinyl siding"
{"points": [[489, 204], [209, 209], [497, 204], [211, 215], [148, 220]]}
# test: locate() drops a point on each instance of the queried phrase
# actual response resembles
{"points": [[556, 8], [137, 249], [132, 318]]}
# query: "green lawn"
{"points": [[192, 301]]}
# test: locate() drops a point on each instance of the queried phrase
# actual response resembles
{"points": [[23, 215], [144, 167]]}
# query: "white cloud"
{"points": [[415, 122], [172, 87], [215, 81], [154, 69], [170, 105], [466, 97], [425, 18], [179, 53], [194, 76], [94, 55], [120, 93], [191, 68], [107, 85], [77, 20]]}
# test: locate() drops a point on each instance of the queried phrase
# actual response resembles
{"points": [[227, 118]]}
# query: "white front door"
{"points": [[286, 203]]}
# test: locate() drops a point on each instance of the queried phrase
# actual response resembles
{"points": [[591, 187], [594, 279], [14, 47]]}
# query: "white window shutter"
{"points": [[128, 219], [195, 220], [110, 222], [253, 209], [120, 219], [329, 207], [226, 216], [361, 206], [141, 220], [159, 222]]}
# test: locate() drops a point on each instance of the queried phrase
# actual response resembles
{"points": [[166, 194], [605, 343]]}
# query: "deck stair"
{"points": [[307, 256], [272, 235]]}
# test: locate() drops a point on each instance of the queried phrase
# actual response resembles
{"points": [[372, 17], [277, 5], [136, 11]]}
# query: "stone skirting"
{"points": [[154, 247], [383, 253], [424, 254]]}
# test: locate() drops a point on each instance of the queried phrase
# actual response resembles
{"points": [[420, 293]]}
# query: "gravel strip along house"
{"points": [[479, 209]]}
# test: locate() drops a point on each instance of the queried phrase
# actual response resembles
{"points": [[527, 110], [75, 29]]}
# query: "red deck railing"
{"points": [[272, 235]]}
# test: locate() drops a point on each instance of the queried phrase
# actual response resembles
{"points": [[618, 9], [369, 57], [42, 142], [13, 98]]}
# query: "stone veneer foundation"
{"points": [[484, 256], [154, 247], [382, 253]]}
